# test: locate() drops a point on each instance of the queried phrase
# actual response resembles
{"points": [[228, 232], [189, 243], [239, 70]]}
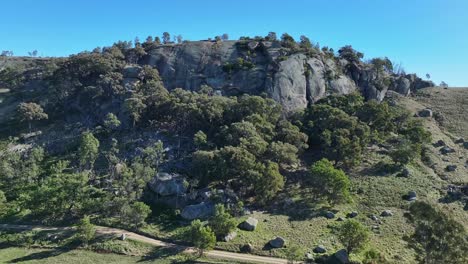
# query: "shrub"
{"points": [[222, 223], [330, 182], [353, 235], [85, 230], [202, 237]]}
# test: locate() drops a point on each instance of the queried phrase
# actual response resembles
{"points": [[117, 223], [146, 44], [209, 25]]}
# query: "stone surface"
{"points": [[249, 224], [278, 242], [446, 150], [425, 113], [374, 218], [229, 236], [411, 196], [198, 211], [320, 249], [166, 184], [387, 213], [247, 248], [451, 168], [341, 257], [352, 214], [329, 215]]}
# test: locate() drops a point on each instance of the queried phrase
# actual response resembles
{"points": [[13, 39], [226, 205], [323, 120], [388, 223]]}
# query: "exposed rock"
{"points": [[446, 150], [440, 143], [278, 242], [451, 168], [460, 141], [411, 196], [247, 248], [387, 213], [229, 236], [198, 211], [249, 225], [123, 237], [425, 113], [252, 45], [465, 145], [339, 219], [340, 257], [166, 184], [320, 249], [405, 172], [374, 218], [132, 71], [329, 215], [352, 214]]}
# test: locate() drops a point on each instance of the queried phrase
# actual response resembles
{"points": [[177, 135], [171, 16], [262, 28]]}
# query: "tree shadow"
{"points": [[42, 255], [163, 252], [381, 169]]}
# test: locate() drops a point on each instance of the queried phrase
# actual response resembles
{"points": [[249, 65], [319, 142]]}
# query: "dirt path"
{"points": [[217, 254]]}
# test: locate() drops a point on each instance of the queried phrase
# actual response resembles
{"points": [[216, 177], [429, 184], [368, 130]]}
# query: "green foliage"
{"points": [[3, 204], [88, 150], [283, 153], [111, 122], [342, 137], [288, 41], [332, 183], [134, 106], [349, 54], [373, 256], [200, 139], [437, 238], [85, 230], [269, 182], [28, 112], [134, 215], [202, 237], [222, 223], [405, 152], [353, 235]]}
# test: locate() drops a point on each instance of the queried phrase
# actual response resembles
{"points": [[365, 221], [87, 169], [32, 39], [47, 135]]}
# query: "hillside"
{"points": [[296, 140]]}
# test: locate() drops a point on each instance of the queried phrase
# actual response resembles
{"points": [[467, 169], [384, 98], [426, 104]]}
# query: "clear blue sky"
{"points": [[427, 36]]}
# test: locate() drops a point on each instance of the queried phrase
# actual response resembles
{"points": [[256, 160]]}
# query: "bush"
{"points": [[202, 237], [222, 223], [332, 183], [85, 230], [353, 235]]}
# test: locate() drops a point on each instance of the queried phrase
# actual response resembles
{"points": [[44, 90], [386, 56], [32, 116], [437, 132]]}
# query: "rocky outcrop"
{"points": [[198, 211], [254, 67], [166, 184], [249, 224]]}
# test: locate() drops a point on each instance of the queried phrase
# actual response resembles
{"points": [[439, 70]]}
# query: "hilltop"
{"points": [[296, 139]]}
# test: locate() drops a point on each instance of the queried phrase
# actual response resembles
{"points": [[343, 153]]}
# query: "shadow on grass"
{"points": [[163, 252], [41, 255]]}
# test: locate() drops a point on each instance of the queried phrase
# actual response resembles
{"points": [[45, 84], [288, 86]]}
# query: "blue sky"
{"points": [[426, 36]]}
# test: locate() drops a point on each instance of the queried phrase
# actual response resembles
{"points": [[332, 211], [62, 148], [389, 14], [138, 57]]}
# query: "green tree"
{"points": [[88, 150], [437, 237], [405, 152], [283, 153], [3, 204], [330, 182], [166, 37], [85, 230], [222, 223], [111, 122], [134, 106], [134, 215], [200, 139], [373, 256], [29, 112], [269, 182], [202, 237], [353, 235]]}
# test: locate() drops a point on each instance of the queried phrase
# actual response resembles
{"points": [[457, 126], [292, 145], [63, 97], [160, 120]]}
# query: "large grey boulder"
{"points": [[425, 113], [278, 242], [249, 224], [320, 249], [198, 211], [166, 184], [229, 236], [340, 257], [411, 196]]}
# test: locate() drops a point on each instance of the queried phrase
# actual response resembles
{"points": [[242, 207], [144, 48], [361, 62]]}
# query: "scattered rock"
{"points": [[252, 45], [196, 211], [123, 237], [460, 141], [166, 184], [230, 236], [352, 214], [341, 257], [451, 168], [374, 218], [446, 150], [278, 242], [411, 196], [375, 227], [309, 257], [329, 215], [249, 225], [247, 248], [425, 113], [440, 143], [405, 172], [340, 219], [320, 249], [386, 213], [465, 145]]}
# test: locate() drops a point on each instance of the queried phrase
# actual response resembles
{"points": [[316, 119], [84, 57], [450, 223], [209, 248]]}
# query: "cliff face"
{"points": [[294, 80]]}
